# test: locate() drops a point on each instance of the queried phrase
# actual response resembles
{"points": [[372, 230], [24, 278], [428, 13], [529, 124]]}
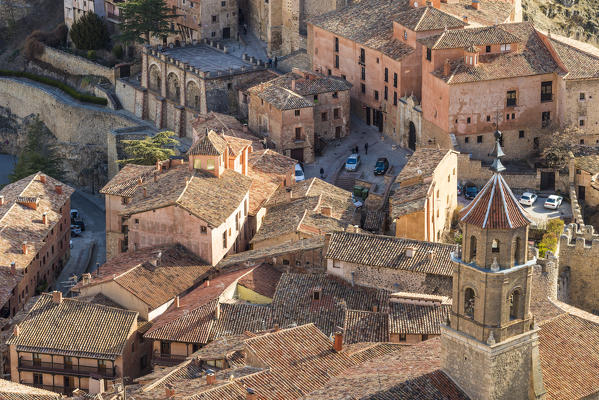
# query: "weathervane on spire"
{"points": [[497, 166]]}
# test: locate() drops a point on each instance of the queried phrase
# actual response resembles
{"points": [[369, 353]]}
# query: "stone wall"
{"points": [[75, 65], [579, 257], [80, 130]]}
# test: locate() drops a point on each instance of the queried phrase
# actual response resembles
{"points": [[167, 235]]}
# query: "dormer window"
{"points": [[316, 294]]}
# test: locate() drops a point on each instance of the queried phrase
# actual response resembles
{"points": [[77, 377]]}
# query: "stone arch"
{"points": [[515, 302], [155, 82], [193, 95], [469, 302], [173, 88]]}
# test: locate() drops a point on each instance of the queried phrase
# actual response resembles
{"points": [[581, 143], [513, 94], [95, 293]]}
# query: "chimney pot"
{"points": [[207, 284], [217, 311], [338, 343], [58, 189], [177, 304], [293, 85], [16, 330], [289, 193], [446, 67], [276, 328], [431, 255], [476, 4], [13, 268], [140, 180], [375, 308], [251, 394], [86, 278], [43, 178], [56, 297], [1, 200], [210, 379], [44, 218], [24, 247], [145, 192], [465, 18], [410, 252], [326, 211]]}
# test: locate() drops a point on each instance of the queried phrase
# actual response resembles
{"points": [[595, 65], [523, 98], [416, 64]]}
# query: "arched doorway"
{"points": [[155, 82], [173, 90], [193, 95], [412, 136]]}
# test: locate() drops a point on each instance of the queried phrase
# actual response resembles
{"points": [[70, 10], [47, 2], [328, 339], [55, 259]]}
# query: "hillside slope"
{"points": [[578, 19]]}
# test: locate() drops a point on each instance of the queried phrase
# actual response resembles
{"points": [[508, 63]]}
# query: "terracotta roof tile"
{"points": [[209, 144], [294, 302], [192, 321], [428, 18], [423, 162], [154, 275], [410, 373], [495, 207], [282, 95], [237, 318], [490, 11], [366, 326], [268, 171], [390, 252], [579, 63], [125, 182], [417, 319], [569, 351], [462, 38], [226, 124], [10, 390], [20, 223], [74, 328], [220, 197]]}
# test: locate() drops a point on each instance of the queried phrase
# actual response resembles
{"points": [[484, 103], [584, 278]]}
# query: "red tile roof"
{"points": [[495, 207], [262, 280]]}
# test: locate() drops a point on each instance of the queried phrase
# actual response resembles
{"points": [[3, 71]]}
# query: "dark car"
{"points": [[381, 166], [80, 224], [470, 192]]}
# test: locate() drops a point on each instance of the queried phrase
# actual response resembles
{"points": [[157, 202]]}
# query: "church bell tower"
{"points": [[490, 345]]}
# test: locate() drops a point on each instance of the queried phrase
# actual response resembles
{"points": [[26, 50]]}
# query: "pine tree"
{"points": [[144, 18], [150, 149], [37, 155], [90, 32]]}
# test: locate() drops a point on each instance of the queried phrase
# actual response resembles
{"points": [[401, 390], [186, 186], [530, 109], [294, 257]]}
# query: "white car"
{"points": [[553, 202], [299, 173], [528, 199], [352, 162]]}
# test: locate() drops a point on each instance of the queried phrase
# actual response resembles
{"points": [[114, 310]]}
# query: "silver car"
{"points": [[352, 163], [553, 202], [528, 199]]}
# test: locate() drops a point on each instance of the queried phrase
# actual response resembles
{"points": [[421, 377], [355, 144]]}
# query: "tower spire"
{"points": [[497, 166]]}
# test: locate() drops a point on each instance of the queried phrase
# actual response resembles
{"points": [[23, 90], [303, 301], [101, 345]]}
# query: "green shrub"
{"points": [[87, 98], [91, 54], [90, 32], [554, 229], [117, 51]]}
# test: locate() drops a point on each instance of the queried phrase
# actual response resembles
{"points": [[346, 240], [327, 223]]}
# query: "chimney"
{"points": [[86, 278], [13, 268], [43, 178], [476, 4], [375, 308], [465, 19], [177, 304], [431, 255], [293, 85], [245, 128], [251, 394], [169, 392], [289, 193], [140, 180], [145, 192], [1, 200], [155, 177], [326, 211], [58, 189], [338, 343], [45, 218], [410, 252], [210, 378], [446, 67], [24, 246], [56, 297], [16, 330], [207, 283], [217, 311], [276, 328]]}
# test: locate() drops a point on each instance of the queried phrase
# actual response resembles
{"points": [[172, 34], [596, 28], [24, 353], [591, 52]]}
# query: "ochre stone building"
{"points": [[424, 195], [34, 238], [300, 111]]}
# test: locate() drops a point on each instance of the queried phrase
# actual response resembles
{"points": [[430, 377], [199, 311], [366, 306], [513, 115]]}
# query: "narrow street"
{"points": [[90, 247]]}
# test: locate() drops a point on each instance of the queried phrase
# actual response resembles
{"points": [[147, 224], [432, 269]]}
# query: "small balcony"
{"points": [[167, 359], [66, 369]]}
